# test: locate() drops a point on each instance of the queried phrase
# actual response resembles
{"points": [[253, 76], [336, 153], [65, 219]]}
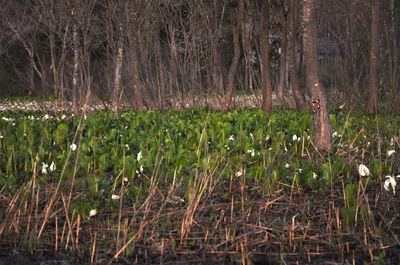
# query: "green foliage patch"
{"points": [[107, 152]]}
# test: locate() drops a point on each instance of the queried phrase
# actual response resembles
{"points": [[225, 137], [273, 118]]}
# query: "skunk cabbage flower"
{"points": [[390, 152], [315, 176], [115, 197], [92, 212], [363, 170], [390, 184], [44, 168], [251, 152], [52, 166], [72, 147]]}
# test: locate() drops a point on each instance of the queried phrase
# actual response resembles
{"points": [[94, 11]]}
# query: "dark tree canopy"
{"points": [[153, 54]]}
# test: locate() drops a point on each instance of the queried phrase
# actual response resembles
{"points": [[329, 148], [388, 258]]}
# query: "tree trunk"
{"points": [[75, 71], [293, 71], [118, 70], [53, 61], [31, 88], [321, 122], [373, 67], [283, 59], [264, 43], [394, 73], [137, 86], [235, 59], [160, 70]]}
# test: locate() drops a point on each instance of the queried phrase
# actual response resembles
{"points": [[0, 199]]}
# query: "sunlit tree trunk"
{"points": [[321, 122], [373, 63], [265, 74]]}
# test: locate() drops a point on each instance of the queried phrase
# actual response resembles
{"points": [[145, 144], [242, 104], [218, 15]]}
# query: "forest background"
{"points": [[171, 54]]}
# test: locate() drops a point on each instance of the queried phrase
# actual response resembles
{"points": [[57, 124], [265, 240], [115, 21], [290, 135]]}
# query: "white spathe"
{"points": [[391, 182], [363, 170]]}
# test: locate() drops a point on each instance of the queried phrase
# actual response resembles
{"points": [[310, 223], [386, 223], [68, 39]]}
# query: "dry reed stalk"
{"points": [[70, 235], [92, 256], [50, 204], [201, 183]]}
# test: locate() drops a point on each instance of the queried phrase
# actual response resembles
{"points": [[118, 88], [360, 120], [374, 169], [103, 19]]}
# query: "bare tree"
{"points": [[25, 29], [283, 17], [321, 122], [75, 38], [393, 46], [266, 86], [235, 59], [133, 41], [293, 62], [117, 93], [373, 61]]}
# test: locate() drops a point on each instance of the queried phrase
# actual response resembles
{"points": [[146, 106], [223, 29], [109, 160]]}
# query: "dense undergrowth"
{"points": [[199, 186]]}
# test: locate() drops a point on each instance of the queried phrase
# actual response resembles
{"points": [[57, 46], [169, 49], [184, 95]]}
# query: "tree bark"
{"points": [[134, 60], [264, 43], [283, 58], [160, 70], [293, 70], [235, 60], [118, 70], [75, 38], [321, 122], [373, 67]]}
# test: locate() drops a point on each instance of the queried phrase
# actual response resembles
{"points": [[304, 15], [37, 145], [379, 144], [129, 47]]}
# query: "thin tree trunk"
{"points": [[321, 122], [137, 87], [293, 71], [53, 62], [118, 70], [232, 69], [75, 71], [373, 69], [283, 59], [264, 43], [395, 8], [161, 78], [235, 59], [31, 88]]}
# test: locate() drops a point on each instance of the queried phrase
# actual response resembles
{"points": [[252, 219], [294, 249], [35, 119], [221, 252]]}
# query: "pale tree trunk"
{"points": [[373, 67], [264, 43], [235, 60], [53, 61], [321, 122], [75, 38], [118, 69], [31, 74], [293, 70]]}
